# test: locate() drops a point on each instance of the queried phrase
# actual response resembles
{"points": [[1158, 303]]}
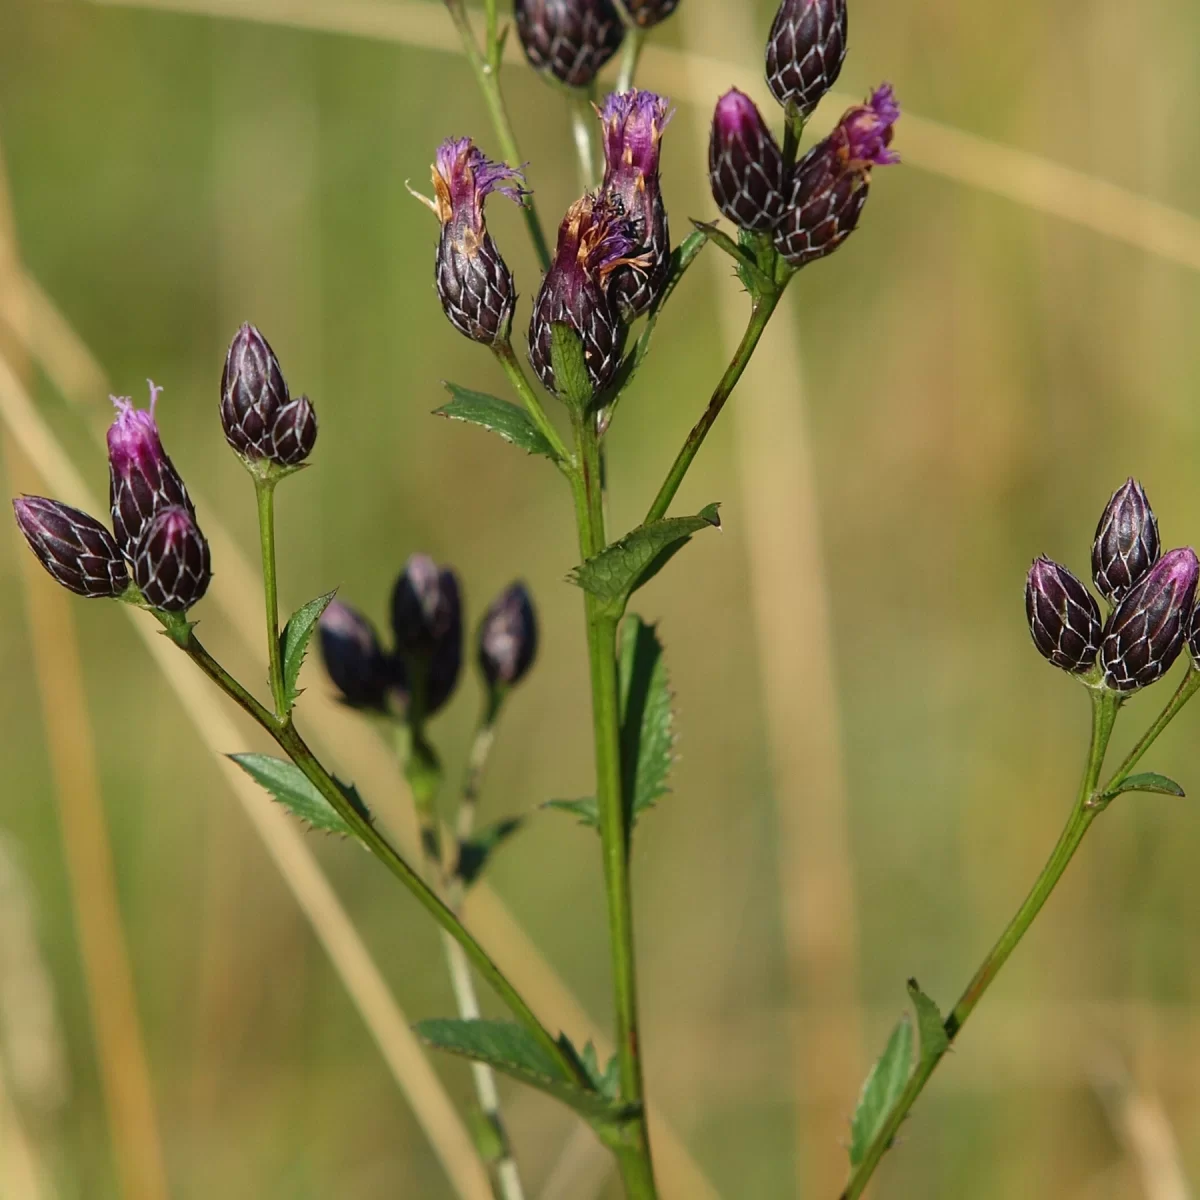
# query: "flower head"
{"points": [[73, 546], [805, 51], [428, 626], [171, 564], [1064, 618], [1127, 544], [569, 39], [508, 638], [354, 658], [745, 164]]}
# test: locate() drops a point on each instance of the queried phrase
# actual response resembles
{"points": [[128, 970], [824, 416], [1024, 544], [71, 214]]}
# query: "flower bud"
{"points": [[1127, 543], [258, 415], [645, 13], [633, 127], [427, 623], [805, 51], [1145, 634], [171, 564], [569, 39], [142, 480], [830, 183], [354, 658], [474, 284], [508, 637], [594, 240], [745, 164], [74, 547], [1064, 617]]}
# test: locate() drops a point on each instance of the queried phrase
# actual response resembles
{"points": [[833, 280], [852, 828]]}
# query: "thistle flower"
{"points": [[474, 284], [258, 415], [805, 51], [354, 659], [1147, 631], [142, 480], [645, 13], [745, 165], [569, 39], [1126, 544], [427, 623], [594, 240], [633, 126], [171, 563], [1064, 617], [73, 546], [830, 183], [508, 637]]}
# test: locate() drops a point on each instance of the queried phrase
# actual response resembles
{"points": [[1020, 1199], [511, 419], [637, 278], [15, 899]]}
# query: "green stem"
{"points": [[516, 376], [1188, 687], [583, 130], [633, 1147], [264, 490], [1083, 813], [631, 53], [764, 306]]}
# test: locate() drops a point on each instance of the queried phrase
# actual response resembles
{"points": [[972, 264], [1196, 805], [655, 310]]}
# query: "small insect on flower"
{"points": [[569, 39], [1063, 615], [745, 165], [474, 284], [1127, 542], [805, 51], [73, 546], [171, 564], [830, 183]]}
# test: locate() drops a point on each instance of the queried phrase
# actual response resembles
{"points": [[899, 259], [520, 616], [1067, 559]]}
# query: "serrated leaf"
{"points": [[473, 854], [881, 1090], [571, 379], [930, 1024], [616, 573], [607, 1081], [512, 423], [510, 1048], [288, 784], [647, 721], [294, 641], [587, 810], [1148, 782]]}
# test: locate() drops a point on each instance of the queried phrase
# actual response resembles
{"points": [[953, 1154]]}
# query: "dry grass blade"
{"points": [[21, 1174], [1031, 180], [582, 1169]]}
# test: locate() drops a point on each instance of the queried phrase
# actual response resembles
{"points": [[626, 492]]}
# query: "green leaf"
{"points": [[512, 423], [571, 379], [510, 1048], [930, 1024], [1149, 782], [616, 573], [474, 854], [881, 1090], [288, 784], [607, 1081], [647, 721], [293, 642], [587, 810]]}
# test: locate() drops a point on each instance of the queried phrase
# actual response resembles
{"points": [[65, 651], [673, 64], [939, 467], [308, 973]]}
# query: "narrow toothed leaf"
{"points": [[1148, 782], [647, 719], [585, 810], [291, 787], [930, 1025], [294, 640], [511, 423], [881, 1090]]}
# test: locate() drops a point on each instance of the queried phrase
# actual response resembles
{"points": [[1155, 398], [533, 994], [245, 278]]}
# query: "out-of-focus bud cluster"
{"points": [[810, 207], [155, 539], [1152, 599], [571, 40], [418, 675]]}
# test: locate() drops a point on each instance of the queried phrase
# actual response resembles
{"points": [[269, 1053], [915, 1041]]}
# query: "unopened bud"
{"points": [[569, 39], [805, 51], [74, 547], [354, 658], [1064, 617], [1147, 631], [508, 637], [171, 564], [1127, 543], [427, 623], [745, 165]]}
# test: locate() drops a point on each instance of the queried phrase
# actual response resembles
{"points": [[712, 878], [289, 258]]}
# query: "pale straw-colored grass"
{"points": [[22, 1173]]}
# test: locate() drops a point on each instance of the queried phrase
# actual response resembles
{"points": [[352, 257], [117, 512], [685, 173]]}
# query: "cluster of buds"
{"points": [[1151, 599], [155, 540], [809, 208], [416, 677]]}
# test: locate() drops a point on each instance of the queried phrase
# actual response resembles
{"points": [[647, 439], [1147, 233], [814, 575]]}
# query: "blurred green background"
{"points": [[874, 762]]}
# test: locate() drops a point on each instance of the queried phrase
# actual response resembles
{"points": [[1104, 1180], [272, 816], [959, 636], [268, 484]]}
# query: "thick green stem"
{"points": [[1083, 813], [1188, 687], [764, 306], [516, 376], [631, 53], [583, 130], [264, 489]]}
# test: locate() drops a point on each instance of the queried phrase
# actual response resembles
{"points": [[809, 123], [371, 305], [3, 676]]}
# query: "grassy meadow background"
{"points": [[874, 761]]}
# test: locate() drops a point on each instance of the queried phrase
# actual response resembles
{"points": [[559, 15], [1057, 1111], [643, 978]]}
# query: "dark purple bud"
{"points": [[142, 480], [354, 658], [1127, 543], [508, 637], [295, 433], [645, 13], [427, 623], [1064, 617], [569, 39], [474, 284], [74, 547], [171, 564], [745, 164], [633, 128], [1147, 630], [805, 51], [594, 240], [830, 183]]}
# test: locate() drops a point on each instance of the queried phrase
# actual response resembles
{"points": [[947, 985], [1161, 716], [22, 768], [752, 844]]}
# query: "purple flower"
{"points": [[805, 51], [73, 546], [474, 284], [745, 164], [830, 183], [594, 241], [171, 564], [633, 127], [142, 480]]}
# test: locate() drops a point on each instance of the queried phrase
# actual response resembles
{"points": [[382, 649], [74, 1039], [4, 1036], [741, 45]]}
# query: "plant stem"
{"points": [[583, 123], [516, 376], [633, 1147], [765, 304], [1083, 813], [1188, 687], [264, 490], [631, 53]]}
